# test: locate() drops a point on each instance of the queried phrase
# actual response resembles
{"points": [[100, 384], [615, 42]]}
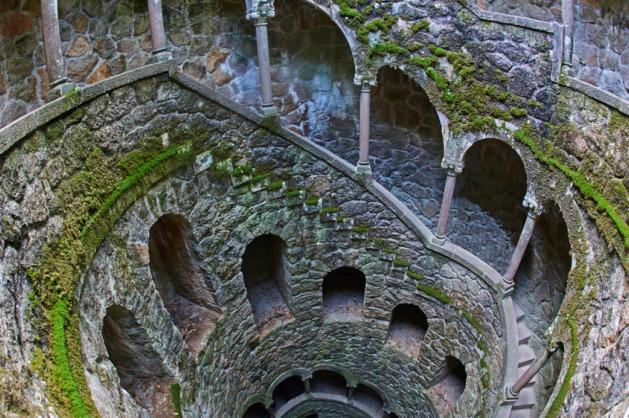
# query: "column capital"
{"points": [[452, 166], [534, 208], [260, 11], [365, 81]]}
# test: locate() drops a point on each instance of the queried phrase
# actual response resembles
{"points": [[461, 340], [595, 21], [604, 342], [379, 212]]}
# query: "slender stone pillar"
{"points": [[158, 34], [567, 17], [523, 242], [350, 393], [260, 11], [453, 168], [365, 120], [514, 391], [52, 49]]}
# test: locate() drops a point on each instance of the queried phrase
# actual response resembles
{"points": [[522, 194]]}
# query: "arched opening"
{"points": [[407, 329], [487, 212], [140, 369], [265, 277], [257, 410], [328, 382], [312, 66], [183, 289], [288, 389], [540, 286], [406, 146], [343, 294], [369, 398], [448, 384]]}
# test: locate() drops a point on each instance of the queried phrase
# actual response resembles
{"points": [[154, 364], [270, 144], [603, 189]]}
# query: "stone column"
{"points": [[158, 34], [453, 168], [514, 391], [567, 17], [52, 49], [523, 242], [364, 167], [260, 11]]}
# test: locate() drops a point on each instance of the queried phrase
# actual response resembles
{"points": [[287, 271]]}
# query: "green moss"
{"points": [[383, 48], [424, 62], [534, 103], [414, 46], [526, 136], [388, 250], [331, 210], [401, 262], [437, 50], [349, 12], [435, 293], [312, 201], [275, 185], [61, 369], [175, 397], [259, 177], [555, 408], [414, 275], [378, 242], [270, 122], [440, 80], [293, 193], [360, 229], [518, 112], [243, 170], [420, 25], [473, 321]]}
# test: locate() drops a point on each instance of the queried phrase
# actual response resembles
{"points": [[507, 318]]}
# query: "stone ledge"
{"points": [[17, 130], [598, 94]]}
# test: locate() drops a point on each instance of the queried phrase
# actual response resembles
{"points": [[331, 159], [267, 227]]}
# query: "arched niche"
{"points": [[540, 287], [406, 146], [368, 398], [487, 214], [448, 384], [343, 293], [257, 410], [140, 369], [266, 281], [288, 389], [407, 329], [186, 296], [328, 382]]}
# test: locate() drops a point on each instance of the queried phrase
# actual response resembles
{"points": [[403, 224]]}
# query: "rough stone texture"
{"points": [[223, 221], [601, 45], [546, 10]]}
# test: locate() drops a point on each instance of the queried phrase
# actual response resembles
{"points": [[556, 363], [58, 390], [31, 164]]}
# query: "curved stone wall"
{"points": [[46, 195]]}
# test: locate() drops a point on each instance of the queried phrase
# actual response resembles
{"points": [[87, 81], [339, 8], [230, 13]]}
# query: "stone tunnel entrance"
{"points": [[407, 329], [140, 369], [181, 286], [343, 294]]}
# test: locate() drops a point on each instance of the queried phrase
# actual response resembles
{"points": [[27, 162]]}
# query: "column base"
{"points": [[439, 239], [509, 397], [270, 111], [364, 169], [59, 89], [161, 55]]}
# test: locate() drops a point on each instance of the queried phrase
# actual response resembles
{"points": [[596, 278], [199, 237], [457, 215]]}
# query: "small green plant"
{"points": [[360, 229], [275, 185], [331, 210], [175, 397], [435, 293], [312, 201], [384, 48], [401, 262], [518, 112], [420, 25], [414, 275]]}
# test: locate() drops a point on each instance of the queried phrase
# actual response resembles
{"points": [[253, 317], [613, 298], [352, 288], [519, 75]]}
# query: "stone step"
{"points": [[526, 356], [523, 333], [526, 400], [521, 413]]}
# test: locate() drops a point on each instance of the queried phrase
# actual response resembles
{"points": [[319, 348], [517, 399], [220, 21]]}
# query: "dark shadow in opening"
{"points": [[290, 388], [257, 410], [328, 382], [369, 398], [186, 296], [264, 274], [448, 384], [141, 370], [488, 215], [343, 294], [407, 329]]}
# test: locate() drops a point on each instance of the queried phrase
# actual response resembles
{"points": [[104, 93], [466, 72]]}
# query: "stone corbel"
{"points": [[455, 167]]}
